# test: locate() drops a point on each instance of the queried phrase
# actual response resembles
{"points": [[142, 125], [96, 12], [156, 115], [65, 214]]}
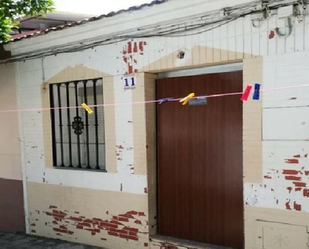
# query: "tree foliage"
{"points": [[10, 10]]}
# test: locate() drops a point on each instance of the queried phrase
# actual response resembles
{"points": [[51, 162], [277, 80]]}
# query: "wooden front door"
{"points": [[200, 174]]}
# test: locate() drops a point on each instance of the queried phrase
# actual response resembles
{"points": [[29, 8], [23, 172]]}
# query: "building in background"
{"points": [[31, 25], [137, 174]]}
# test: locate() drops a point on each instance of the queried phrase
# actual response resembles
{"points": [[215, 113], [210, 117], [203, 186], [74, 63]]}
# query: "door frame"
{"points": [[225, 68], [252, 67]]}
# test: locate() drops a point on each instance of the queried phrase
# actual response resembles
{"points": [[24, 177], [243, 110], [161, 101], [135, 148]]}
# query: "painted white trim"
{"points": [[203, 70], [22, 152], [126, 183]]}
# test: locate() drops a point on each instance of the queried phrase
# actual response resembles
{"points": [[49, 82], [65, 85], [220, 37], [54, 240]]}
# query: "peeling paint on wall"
{"points": [[130, 55], [64, 222]]}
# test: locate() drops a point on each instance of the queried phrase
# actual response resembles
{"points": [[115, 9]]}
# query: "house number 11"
{"points": [[129, 83]]}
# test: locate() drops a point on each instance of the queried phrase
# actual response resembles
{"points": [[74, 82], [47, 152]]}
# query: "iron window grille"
{"points": [[78, 138]]}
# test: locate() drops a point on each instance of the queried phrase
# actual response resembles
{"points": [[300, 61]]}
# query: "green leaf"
{"points": [[12, 9]]}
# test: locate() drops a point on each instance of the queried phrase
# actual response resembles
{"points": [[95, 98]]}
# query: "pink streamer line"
{"points": [[147, 102]]}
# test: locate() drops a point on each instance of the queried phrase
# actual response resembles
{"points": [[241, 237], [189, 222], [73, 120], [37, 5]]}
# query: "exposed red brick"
{"points": [[106, 224], [138, 222], [293, 178], [48, 213], [128, 237], [267, 177], [33, 225], [297, 156], [289, 189], [130, 216], [135, 48], [115, 222], [271, 34], [298, 189], [84, 224], [33, 231], [89, 221], [141, 214], [113, 234], [129, 46], [75, 219], [287, 206], [131, 229], [300, 184], [97, 219], [145, 190], [145, 244], [79, 227], [62, 227], [292, 161], [297, 207], [132, 212], [290, 172], [103, 239], [76, 212], [59, 230], [52, 207], [55, 222], [307, 173], [124, 219], [306, 192], [141, 46]]}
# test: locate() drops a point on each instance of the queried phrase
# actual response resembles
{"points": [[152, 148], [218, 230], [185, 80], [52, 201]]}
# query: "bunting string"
{"points": [[160, 101]]}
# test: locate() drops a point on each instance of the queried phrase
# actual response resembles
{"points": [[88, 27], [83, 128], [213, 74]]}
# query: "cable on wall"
{"points": [[201, 24]]}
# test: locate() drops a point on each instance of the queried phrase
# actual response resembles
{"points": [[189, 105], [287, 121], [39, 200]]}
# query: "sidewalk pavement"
{"points": [[21, 241]]}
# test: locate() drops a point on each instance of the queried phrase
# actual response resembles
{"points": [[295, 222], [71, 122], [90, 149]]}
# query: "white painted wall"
{"points": [[285, 63], [10, 155], [285, 133]]}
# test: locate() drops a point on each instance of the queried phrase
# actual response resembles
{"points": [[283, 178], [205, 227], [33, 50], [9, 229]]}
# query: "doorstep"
{"points": [[172, 243]]}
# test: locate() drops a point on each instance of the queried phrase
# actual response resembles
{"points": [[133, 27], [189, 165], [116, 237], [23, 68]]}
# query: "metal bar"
{"points": [[53, 126], [87, 126], [60, 124], [69, 124], [78, 136], [96, 124]]}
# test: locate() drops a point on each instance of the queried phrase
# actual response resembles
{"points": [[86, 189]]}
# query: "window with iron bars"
{"points": [[78, 138]]}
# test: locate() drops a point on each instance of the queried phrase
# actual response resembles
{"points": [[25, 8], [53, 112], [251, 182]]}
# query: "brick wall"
{"points": [[275, 168]]}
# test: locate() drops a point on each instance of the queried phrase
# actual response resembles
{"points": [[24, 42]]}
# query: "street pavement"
{"points": [[20, 241]]}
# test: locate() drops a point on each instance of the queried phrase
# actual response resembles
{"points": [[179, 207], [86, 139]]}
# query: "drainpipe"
{"points": [[22, 152]]}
